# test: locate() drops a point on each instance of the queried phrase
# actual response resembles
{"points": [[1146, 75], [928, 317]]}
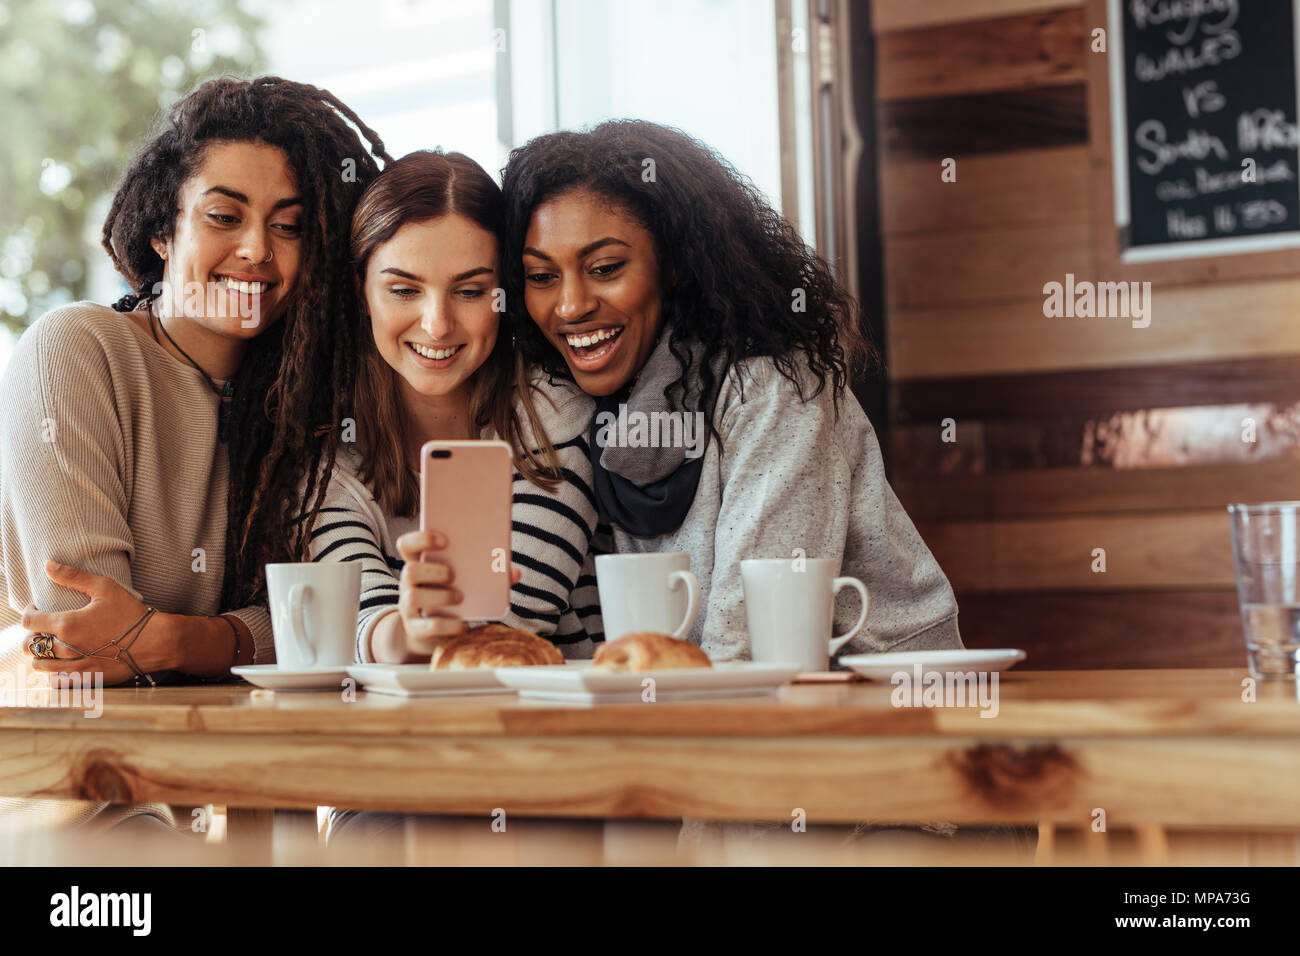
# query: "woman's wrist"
{"points": [[203, 646], [388, 640]]}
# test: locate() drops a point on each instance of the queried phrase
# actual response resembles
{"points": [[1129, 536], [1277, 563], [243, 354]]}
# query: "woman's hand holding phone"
{"points": [[425, 588]]}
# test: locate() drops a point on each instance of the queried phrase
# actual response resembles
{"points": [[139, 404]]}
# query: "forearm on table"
{"points": [[205, 646]]}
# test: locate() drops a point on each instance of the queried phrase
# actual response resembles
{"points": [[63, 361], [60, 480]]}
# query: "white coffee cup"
{"points": [[314, 610], [790, 607], [647, 592]]}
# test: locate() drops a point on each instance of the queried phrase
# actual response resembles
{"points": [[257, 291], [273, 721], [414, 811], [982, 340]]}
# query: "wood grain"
{"points": [[1267, 380], [1145, 629], [1228, 321], [963, 780], [1078, 491], [957, 269], [1142, 552], [982, 56], [983, 123], [991, 191], [888, 15]]}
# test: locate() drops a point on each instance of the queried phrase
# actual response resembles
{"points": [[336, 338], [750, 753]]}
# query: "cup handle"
{"points": [[298, 622], [838, 585], [692, 599]]}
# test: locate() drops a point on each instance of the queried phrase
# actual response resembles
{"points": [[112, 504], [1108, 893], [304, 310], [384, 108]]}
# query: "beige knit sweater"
{"points": [[109, 462]]}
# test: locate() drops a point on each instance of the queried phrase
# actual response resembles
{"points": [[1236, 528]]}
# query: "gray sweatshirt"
{"points": [[793, 475]]}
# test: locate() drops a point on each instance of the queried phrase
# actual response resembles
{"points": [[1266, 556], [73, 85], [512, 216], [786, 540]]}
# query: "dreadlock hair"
{"points": [[294, 384], [730, 265], [421, 187]]}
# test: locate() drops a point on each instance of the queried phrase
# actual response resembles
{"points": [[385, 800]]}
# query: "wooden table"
{"points": [[1171, 747]]}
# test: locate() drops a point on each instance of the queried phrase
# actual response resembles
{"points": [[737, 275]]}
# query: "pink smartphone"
{"points": [[466, 489]]}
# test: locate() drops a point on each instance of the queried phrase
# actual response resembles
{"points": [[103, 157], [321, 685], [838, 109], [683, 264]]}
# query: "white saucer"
{"points": [[577, 682], [884, 666], [417, 680], [275, 677]]}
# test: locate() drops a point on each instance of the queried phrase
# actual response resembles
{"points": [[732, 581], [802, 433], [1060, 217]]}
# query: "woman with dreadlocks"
{"points": [[152, 452]]}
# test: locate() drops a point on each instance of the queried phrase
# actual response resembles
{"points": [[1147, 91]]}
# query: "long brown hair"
{"points": [[296, 377], [421, 186]]}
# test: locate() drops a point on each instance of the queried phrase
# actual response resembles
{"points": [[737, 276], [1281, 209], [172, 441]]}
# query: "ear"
{"points": [[159, 247]]}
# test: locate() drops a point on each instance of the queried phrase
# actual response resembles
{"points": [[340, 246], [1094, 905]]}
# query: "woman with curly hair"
{"points": [[152, 451], [660, 281]]}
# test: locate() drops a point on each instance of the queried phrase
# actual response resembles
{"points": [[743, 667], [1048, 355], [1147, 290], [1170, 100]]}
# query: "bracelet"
{"points": [[234, 658]]}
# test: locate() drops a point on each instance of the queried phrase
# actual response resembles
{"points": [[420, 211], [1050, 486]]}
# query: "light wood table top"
{"points": [[1175, 747]]}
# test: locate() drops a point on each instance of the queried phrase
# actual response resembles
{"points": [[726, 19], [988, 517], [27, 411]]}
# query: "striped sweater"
{"points": [[550, 537]]}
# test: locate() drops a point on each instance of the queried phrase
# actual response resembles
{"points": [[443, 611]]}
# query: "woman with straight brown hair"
{"points": [[433, 366]]}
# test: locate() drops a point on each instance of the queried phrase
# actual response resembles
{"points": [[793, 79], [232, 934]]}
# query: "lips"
{"points": [[242, 286], [435, 355], [592, 350]]}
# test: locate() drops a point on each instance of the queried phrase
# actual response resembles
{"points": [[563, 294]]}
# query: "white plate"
{"points": [[275, 677], [885, 666], [577, 682], [417, 680]]}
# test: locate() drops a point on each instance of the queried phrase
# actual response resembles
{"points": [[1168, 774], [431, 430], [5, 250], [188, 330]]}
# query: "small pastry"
{"points": [[648, 651], [494, 645]]}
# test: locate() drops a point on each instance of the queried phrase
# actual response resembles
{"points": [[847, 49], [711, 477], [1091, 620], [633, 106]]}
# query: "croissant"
{"points": [[494, 645], [648, 651]]}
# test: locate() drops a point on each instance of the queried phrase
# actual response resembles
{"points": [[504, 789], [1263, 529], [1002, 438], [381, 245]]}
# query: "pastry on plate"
{"points": [[494, 645], [648, 652]]}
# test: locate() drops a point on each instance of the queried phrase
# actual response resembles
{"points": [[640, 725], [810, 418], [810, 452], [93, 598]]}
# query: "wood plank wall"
{"points": [[1068, 435]]}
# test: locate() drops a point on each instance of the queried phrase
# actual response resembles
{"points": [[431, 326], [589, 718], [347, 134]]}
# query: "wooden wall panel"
{"points": [[991, 191], [949, 268], [1083, 491], [1069, 394], [1142, 552], [1187, 324], [888, 15], [1067, 631], [984, 122], [1010, 53]]}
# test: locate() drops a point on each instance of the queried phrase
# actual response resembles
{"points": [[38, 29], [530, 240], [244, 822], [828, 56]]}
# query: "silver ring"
{"points": [[270, 254], [42, 646]]}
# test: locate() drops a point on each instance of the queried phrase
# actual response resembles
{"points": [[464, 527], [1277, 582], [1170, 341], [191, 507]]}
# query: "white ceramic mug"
{"points": [[647, 592], [314, 611], [790, 607]]}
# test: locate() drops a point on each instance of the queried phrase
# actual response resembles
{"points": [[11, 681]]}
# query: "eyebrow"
{"points": [[469, 273], [586, 250], [240, 197]]}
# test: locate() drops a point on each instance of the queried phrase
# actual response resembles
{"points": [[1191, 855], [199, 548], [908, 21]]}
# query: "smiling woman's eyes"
{"points": [[607, 268], [471, 293], [288, 229], [538, 277], [403, 292]]}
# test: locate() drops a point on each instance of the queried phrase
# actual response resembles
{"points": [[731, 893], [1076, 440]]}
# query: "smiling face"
{"points": [[233, 258], [591, 280], [429, 294]]}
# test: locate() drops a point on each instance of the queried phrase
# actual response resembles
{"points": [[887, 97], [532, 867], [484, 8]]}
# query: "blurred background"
{"points": [[948, 157], [81, 82]]}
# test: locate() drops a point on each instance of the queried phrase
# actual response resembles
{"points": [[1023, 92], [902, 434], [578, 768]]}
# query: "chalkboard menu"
{"points": [[1207, 159]]}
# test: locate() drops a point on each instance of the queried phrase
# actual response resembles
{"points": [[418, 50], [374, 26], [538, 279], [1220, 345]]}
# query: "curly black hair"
{"points": [[732, 268], [294, 384]]}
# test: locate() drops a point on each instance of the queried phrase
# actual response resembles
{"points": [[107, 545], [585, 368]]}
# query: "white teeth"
{"points": [[435, 353], [591, 338], [248, 288]]}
